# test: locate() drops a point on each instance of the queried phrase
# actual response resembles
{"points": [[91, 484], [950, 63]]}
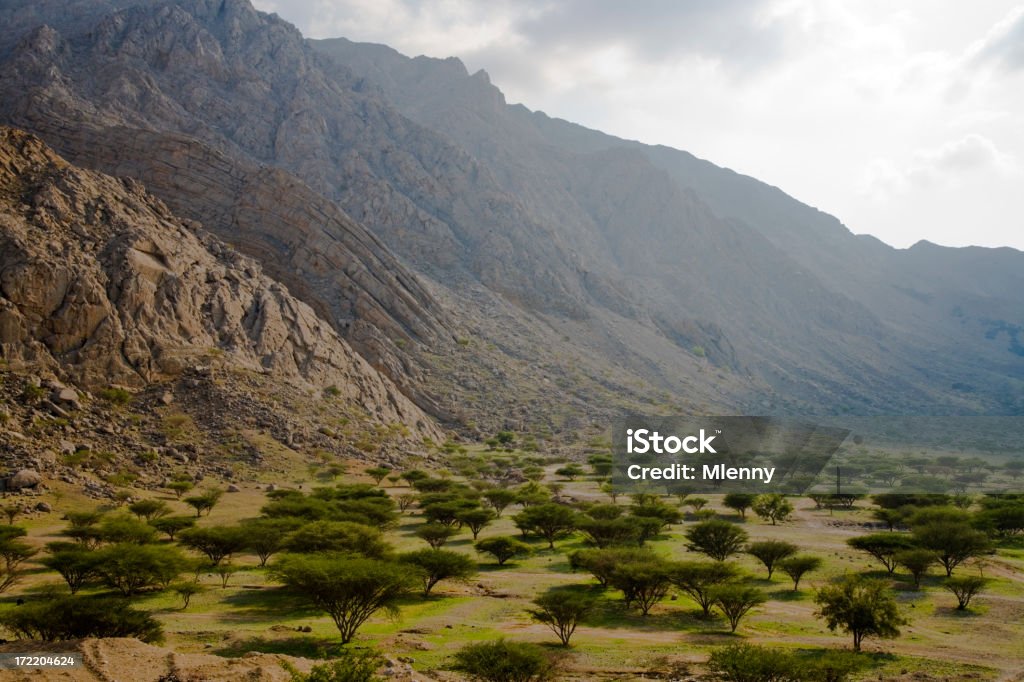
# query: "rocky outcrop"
{"points": [[102, 283]]}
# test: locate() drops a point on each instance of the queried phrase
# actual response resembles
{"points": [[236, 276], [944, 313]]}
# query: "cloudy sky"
{"points": [[905, 120]]}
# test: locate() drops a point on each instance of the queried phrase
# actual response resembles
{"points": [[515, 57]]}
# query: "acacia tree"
{"points": [[770, 552], [882, 546], [149, 509], [964, 587], [348, 589], [739, 502], [172, 525], [718, 539], [601, 563], [917, 562], [13, 552], [772, 507], [551, 521], [562, 610], [378, 474], [736, 600], [503, 661], [699, 579], [267, 537], [861, 607], [643, 582], [436, 565], [205, 501], [796, 566], [435, 534], [503, 548], [475, 519], [75, 563], [953, 542], [216, 542], [131, 568], [500, 498], [604, 533]]}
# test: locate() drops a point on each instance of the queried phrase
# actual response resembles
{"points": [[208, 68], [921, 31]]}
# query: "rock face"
{"points": [[101, 282]]}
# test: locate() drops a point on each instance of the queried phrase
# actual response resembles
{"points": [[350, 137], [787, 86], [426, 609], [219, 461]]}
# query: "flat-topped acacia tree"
{"points": [[350, 589]]}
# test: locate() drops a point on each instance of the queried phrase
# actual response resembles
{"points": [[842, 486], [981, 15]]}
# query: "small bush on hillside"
{"points": [[117, 396]]}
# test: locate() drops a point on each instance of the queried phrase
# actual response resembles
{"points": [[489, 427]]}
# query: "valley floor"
{"points": [[253, 614]]}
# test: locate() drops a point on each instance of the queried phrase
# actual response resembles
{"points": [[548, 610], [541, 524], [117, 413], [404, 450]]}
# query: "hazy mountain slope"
{"points": [[100, 283], [901, 332]]}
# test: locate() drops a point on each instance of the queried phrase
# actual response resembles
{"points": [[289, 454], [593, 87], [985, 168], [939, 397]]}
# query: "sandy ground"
{"points": [[129, 660]]}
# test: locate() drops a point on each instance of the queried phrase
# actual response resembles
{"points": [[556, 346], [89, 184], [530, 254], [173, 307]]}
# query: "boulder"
{"points": [[67, 396], [26, 478]]}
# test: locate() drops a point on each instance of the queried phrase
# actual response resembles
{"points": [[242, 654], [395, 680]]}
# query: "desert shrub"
{"points": [[77, 617], [504, 661], [751, 663], [117, 396], [350, 666]]}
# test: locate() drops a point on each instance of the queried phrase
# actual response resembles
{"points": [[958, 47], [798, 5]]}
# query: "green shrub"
{"points": [[76, 617], [350, 666], [503, 661], [117, 396], [750, 663]]}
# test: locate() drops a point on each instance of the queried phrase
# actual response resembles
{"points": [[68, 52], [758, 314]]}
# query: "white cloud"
{"points": [[945, 165]]}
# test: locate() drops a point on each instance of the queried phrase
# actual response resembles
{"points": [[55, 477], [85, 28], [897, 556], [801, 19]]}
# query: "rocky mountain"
{"points": [[102, 285], [503, 267], [199, 98]]}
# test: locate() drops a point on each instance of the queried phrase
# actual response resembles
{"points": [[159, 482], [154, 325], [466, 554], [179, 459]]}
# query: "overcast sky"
{"points": [[905, 120]]}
